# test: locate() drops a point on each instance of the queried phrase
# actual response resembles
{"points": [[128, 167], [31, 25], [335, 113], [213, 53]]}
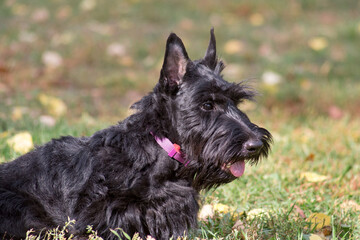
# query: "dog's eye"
{"points": [[208, 106]]}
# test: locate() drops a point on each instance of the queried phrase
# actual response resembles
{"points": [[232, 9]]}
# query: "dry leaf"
{"points": [[40, 15], [313, 177], [19, 9], [305, 84], [233, 47], [318, 43], [47, 120], [54, 106], [52, 59], [315, 237], [207, 211], [21, 142], [28, 37], [350, 205], [300, 211], [222, 208], [335, 112], [256, 19], [87, 5], [116, 50], [319, 220], [4, 134], [17, 113], [258, 213], [271, 78]]}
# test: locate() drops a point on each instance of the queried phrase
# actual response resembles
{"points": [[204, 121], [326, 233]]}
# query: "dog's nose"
{"points": [[253, 146]]}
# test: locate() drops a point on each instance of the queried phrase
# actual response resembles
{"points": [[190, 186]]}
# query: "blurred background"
{"points": [[72, 67], [94, 58]]}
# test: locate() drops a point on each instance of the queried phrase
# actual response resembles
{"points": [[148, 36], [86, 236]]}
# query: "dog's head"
{"points": [[198, 109]]}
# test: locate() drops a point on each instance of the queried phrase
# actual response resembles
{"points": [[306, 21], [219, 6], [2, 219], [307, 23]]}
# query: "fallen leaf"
{"points": [[64, 12], [233, 47], [19, 9], [4, 68], [4, 134], [326, 230], [256, 19], [318, 43], [300, 211], [27, 37], [258, 213], [21, 142], [271, 78], [310, 157], [126, 61], [54, 106], [40, 15], [87, 5], [313, 177], [315, 237], [47, 120], [222, 208], [17, 113], [52, 59], [350, 205], [335, 112], [319, 220], [116, 50], [305, 84], [207, 211]]}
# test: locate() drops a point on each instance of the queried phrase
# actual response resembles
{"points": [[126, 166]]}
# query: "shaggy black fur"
{"points": [[120, 176]]}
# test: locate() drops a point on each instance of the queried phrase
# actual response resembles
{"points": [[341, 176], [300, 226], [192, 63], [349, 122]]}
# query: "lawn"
{"points": [[74, 67]]}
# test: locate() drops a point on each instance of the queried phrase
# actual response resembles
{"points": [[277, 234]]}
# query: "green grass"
{"points": [[312, 113]]}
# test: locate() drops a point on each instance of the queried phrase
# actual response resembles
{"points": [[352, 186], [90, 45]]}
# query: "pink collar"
{"points": [[172, 149]]}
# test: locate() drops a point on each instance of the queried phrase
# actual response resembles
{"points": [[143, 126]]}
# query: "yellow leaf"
{"points": [[313, 177], [318, 43], [222, 208], [258, 213], [315, 237], [4, 134], [21, 142], [233, 47], [319, 220], [17, 113], [55, 106], [256, 19]]}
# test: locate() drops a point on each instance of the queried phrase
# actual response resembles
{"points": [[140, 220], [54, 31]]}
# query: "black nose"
{"points": [[253, 146]]}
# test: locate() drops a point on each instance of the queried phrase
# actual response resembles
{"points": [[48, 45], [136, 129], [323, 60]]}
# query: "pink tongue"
{"points": [[237, 169]]}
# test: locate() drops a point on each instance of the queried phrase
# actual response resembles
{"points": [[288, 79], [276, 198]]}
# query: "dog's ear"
{"points": [[210, 55], [175, 62], [210, 58]]}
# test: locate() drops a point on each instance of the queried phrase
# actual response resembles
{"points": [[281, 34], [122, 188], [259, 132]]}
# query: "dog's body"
{"points": [[121, 177]]}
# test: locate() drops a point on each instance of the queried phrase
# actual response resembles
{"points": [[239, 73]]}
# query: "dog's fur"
{"points": [[120, 177]]}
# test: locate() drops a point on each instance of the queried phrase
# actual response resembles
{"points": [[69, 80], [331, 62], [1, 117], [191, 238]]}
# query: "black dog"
{"points": [[130, 175]]}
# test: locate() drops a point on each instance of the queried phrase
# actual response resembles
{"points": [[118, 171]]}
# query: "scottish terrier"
{"points": [[144, 174]]}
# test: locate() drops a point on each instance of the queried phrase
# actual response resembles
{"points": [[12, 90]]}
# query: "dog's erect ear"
{"points": [[210, 58], [175, 62]]}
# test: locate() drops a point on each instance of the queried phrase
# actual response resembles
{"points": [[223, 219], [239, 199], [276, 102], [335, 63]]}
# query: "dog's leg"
{"points": [[18, 214], [173, 213]]}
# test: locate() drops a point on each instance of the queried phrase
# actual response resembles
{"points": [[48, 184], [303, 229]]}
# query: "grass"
{"points": [[312, 112]]}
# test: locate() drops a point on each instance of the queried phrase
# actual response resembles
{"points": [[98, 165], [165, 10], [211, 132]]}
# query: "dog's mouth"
{"points": [[237, 169]]}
